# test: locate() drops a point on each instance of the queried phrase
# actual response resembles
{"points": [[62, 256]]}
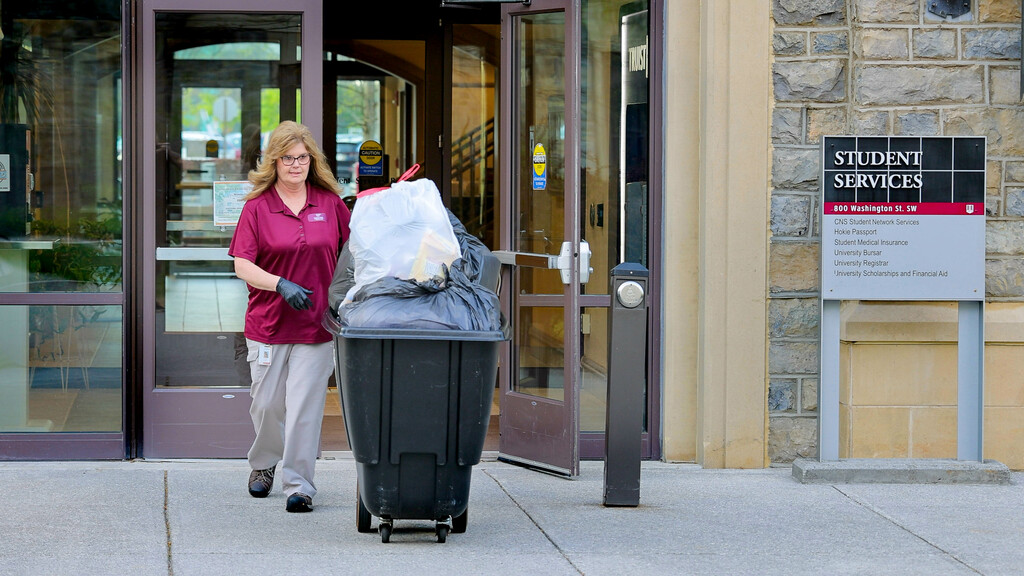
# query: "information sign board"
{"points": [[5, 174], [903, 218], [228, 199]]}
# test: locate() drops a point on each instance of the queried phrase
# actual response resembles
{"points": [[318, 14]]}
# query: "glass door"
{"points": [[540, 403], [363, 102], [218, 77], [62, 293]]}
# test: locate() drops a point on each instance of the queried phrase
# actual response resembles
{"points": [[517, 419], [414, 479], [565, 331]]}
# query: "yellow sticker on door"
{"points": [[540, 168], [370, 155]]}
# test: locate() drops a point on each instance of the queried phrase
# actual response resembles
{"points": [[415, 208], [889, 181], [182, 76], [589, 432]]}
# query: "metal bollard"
{"points": [[627, 362]]}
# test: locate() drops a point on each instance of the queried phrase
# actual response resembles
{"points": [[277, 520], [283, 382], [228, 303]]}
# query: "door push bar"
{"points": [[562, 262], [194, 253]]}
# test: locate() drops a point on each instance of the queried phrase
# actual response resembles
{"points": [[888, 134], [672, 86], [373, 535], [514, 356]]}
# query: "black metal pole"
{"points": [[627, 363]]}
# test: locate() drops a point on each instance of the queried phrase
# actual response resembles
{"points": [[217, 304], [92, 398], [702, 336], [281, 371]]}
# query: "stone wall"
{"points": [[878, 67]]}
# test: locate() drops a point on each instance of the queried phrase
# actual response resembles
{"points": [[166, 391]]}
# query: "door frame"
{"points": [[561, 455], [226, 414], [592, 444]]}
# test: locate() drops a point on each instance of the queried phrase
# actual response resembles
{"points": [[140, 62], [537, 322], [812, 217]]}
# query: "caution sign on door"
{"points": [[371, 156], [540, 168]]}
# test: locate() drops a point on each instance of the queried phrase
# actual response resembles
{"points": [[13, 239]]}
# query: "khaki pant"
{"points": [[288, 409]]}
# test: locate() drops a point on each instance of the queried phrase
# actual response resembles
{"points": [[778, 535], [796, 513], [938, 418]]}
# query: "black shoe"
{"points": [[299, 502], [260, 482]]}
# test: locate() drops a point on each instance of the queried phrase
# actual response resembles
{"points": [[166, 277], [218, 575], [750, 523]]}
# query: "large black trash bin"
{"points": [[417, 404]]}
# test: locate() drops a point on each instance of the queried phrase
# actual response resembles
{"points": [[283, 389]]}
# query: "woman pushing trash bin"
{"points": [[285, 248]]}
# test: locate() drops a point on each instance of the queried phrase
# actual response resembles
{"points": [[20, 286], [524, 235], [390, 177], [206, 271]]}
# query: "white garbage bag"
{"points": [[403, 232]]}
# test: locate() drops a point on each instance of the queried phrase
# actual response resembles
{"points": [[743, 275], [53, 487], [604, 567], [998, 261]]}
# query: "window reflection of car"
{"points": [[347, 156], [233, 146], [347, 159], [193, 144]]}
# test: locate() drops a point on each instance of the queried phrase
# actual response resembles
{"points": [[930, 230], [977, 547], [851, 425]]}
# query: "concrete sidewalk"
{"points": [[184, 518]]}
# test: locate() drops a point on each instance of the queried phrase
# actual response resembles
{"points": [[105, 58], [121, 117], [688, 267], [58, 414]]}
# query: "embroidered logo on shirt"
{"points": [[317, 217]]}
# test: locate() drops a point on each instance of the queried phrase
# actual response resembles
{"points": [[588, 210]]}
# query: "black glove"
{"points": [[296, 296]]}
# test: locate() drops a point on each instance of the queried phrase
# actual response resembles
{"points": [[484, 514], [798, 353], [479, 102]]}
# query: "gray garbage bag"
{"points": [[463, 297], [478, 265], [452, 303], [344, 278]]}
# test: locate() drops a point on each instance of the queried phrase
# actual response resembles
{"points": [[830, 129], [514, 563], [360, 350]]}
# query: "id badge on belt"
{"points": [[266, 351]]}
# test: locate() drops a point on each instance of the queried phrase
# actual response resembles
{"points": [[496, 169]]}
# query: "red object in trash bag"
{"points": [[408, 174]]}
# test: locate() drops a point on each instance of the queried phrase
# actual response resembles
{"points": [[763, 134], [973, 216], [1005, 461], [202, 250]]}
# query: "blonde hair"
{"points": [[286, 135]]}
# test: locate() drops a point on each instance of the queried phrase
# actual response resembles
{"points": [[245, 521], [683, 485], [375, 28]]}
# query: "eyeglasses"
{"points": [[303, 159]]}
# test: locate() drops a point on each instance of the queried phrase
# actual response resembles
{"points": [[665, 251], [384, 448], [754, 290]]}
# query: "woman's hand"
{"points": [[296, 296]]}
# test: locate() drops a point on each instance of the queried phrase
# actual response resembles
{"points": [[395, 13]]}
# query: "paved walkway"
{"points": [[184, 518]]}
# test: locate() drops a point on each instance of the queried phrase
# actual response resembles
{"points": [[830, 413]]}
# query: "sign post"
{"points": [[903, 218]]}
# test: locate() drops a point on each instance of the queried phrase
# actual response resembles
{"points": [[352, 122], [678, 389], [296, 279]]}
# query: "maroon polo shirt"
{"points": [[303, 249]]}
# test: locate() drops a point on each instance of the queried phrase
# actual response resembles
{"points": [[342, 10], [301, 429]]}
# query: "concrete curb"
{"points": [[900, 471]]}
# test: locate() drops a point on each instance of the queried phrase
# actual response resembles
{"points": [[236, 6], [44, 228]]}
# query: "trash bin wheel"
{"points": [[442, 533], [385, 530], [459, 522], [363, 516]]}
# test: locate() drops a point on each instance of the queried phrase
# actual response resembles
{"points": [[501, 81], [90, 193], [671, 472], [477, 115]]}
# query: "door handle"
{"points": [[561, 262], [526, 259], [585, 268], [565, 262]]}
